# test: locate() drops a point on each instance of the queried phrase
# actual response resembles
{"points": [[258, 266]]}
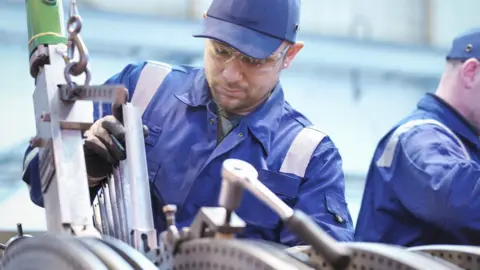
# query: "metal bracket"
{"points": [[115, 94], [211, 222]]}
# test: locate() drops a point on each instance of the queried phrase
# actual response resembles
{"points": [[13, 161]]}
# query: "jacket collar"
{"points": [[450, 117], [262, 122]]}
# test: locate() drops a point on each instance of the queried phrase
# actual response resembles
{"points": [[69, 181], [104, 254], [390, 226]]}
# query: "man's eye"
{"points": [[221, 51], [253, 62]]}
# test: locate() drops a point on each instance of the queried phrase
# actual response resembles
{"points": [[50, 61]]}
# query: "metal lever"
{"points": [[238, 174]]}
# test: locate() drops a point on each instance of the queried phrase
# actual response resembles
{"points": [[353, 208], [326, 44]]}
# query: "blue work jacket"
{"points": [[425, 188], [184, 161]]}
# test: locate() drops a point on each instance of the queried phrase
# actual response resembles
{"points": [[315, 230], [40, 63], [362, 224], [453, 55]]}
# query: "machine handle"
{"points": [[302, 225], [238, 174]]}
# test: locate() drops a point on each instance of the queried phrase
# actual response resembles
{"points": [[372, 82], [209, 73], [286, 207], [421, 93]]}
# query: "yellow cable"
{"points": [[43, 34]]}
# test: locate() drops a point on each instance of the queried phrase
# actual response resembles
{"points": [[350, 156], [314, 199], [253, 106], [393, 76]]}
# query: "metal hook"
{"points": [[75, 42], [74, 24], [68, 76], [80, 66]]}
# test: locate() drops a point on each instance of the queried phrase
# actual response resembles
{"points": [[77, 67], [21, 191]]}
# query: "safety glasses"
{"points": [[224, 54]]}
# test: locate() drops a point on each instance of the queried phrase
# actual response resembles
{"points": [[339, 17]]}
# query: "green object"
{"points": [[45, 23]]}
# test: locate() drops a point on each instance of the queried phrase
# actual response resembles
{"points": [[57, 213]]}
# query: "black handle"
{"points": [[301, 224]]}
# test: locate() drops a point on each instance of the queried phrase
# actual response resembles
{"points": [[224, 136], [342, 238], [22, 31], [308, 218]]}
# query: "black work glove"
{"points": [[104, 148]]}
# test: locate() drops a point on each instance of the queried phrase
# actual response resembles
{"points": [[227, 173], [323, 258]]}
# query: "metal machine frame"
{"points": [[63, 101]]}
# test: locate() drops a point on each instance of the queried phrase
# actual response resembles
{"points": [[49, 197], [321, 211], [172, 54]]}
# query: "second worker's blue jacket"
{"points": [[184, 161], [423, 184]]}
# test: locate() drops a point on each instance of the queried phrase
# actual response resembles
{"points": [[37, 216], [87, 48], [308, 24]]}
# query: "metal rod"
{"points": [[127, 200], [103, 215], [19, 229], [108, 209], [97, 216], [137, 175], [121, 209]]}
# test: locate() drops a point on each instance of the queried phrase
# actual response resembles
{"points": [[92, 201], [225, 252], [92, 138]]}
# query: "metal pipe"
{"points": [[108, 209], [137, 175], [45, 23], [113, 206], [120, 204], [103, 214]]}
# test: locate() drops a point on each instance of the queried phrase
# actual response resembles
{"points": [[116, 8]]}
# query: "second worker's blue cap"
{"points": [[465, 46], [254, 27]]}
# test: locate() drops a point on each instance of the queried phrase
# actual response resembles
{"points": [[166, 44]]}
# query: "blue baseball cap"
{"points": [[256, 28], [465, 46]]}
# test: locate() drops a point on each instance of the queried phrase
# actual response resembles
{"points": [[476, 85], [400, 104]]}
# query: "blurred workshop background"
{"points": [[365, 64]]}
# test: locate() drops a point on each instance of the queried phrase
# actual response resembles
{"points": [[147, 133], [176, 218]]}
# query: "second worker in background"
{"points": [[423, 186], [234, 107]]}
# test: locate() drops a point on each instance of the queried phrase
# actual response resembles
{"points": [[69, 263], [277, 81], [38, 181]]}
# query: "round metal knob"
{"points": [[170, 210]]}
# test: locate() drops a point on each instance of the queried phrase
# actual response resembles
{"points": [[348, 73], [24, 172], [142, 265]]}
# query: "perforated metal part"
{"points": [[227, 254], [466, 257], [162, 256], [372, 256], [50, 252]]}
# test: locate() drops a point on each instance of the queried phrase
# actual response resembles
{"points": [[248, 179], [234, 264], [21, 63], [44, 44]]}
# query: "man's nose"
{"points": [[232, 71]]}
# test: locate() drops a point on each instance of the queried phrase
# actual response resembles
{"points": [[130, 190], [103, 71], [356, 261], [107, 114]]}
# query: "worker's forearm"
{"points": [[32, 178], [449, 198], [435, 179]]}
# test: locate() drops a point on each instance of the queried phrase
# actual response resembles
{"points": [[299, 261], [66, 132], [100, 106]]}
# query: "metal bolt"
{"points": [[170, 210], [45, 117], [339, 219], [19, 229]]}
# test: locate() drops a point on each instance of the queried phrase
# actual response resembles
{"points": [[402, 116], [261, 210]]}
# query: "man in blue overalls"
{"points": [[423, 184], [234, 107]]}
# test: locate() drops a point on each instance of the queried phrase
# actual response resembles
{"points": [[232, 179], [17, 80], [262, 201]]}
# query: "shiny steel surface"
{"points": [[467, 257], [374, 256]]}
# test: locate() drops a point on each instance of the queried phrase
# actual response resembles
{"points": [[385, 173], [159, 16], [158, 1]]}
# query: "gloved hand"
{"points": [[104, 148]]}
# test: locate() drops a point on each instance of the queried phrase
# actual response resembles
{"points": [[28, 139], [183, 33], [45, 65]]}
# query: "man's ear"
{"points": [[204, 15], [469, 72], [291, 53]]}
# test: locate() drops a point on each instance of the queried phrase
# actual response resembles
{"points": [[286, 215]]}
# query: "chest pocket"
{"points": [[255, 212]]}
